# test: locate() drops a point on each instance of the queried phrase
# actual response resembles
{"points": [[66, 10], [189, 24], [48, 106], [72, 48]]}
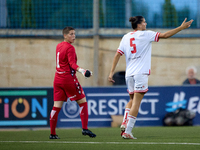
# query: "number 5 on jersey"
{"points": [[133, 45]]}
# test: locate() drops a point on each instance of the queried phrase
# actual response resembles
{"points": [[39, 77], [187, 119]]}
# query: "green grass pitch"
{"points": [[149, 138]]}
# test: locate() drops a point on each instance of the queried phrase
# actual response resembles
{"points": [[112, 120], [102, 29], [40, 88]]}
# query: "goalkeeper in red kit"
{"points": [[66, 84]]}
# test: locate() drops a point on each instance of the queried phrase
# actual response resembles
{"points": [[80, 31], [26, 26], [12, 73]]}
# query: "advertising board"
{"points": [[24, 107], [157, 102], [30, 107]]}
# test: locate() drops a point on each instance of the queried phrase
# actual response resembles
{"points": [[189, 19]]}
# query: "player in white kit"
{"points": [[136, 46]]}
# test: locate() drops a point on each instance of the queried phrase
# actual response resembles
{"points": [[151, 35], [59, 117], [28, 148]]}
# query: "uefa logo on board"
{"points": [[70, 109]]}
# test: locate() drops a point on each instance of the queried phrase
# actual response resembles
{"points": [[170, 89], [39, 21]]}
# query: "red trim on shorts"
{"points": [[130, 92], [141, 91], [138, 91]]}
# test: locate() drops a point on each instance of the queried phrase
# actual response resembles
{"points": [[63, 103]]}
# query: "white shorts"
{"points": [[137, 83]]}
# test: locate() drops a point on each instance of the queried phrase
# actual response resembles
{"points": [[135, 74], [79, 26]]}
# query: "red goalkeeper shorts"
{"points": [[72, 90]]}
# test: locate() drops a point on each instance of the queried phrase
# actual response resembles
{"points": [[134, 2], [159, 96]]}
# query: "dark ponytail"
{"points": [[135, 21]]}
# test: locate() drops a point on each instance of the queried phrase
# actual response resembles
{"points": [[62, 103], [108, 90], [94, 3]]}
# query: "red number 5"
{"points": [[133, 45]]}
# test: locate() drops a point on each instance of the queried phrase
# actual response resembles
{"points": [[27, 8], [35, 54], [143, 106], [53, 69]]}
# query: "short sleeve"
{"points": [[153, 36], [121, 47]]}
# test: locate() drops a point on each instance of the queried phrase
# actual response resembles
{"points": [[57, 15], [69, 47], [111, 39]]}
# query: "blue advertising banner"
{"points": [[106, 101], [25, 107], [30, 107]]}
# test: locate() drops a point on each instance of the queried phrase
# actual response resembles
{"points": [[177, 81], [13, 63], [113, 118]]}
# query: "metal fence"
{"points": [[55, 14]]}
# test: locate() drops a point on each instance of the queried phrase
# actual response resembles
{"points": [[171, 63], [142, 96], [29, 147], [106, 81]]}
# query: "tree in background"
{"points": [[170, 18], [182, 14], [139, 8], [117, 13], [102, 13], [72, 13], [114, 11], [158, 22], [28, 18]]}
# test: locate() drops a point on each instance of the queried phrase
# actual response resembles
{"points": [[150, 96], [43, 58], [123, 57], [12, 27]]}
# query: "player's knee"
{"points": [[58, 104], [83, 100]]}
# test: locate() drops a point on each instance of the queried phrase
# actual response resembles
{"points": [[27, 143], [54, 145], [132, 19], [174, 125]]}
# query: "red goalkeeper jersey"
{"points": [[66, 60]]}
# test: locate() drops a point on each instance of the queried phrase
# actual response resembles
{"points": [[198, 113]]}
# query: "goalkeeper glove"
{"points": [[85, 73]]}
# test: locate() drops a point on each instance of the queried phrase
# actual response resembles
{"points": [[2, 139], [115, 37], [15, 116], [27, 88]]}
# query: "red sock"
{"points": [[53, 119], [84, 115]]}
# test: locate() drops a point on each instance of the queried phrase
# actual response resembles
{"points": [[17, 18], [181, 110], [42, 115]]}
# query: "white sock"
{"points": [[126, 114], [131, 123]]}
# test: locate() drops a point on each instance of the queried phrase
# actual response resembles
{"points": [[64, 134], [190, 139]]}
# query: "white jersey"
{"points": [[137, 48]]}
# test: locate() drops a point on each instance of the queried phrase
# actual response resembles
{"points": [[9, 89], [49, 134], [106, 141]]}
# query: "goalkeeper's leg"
{"points": [[53, 119], [84, 117]]}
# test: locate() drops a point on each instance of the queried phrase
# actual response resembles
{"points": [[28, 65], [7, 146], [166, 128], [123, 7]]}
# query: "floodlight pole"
{"points": [[128, 13], [96, 41], [198, 13]]}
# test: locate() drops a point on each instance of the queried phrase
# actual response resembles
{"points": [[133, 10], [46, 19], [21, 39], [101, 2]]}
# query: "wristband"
{"points": [[81, 71]]}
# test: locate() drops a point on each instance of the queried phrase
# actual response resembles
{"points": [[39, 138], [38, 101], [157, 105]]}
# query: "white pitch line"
{"points": [[118, 94], [108, 119], [73, 142], [90, 119]]}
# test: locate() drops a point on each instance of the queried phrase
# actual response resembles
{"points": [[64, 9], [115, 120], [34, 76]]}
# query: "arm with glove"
{"points": [[86, 73], [72, 61]]}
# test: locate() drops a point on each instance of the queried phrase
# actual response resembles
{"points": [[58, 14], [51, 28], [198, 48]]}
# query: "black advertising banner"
{"points": [[25, 107]]}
